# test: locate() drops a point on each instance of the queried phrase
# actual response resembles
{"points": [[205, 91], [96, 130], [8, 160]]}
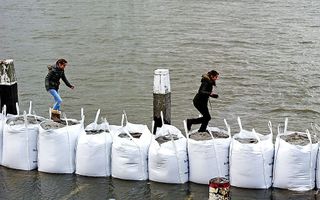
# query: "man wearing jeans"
{"points": [[52, 82]]}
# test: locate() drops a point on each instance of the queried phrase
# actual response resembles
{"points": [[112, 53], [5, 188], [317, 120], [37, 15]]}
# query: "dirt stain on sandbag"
{"points": [[247, 140], [166, 138], [200, 136], [20, 120], [297, 138], [94, 132], [134, 135], [46, 125]]}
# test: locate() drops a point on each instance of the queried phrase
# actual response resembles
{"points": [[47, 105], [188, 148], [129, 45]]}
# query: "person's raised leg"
{"points": [[57, 99]]}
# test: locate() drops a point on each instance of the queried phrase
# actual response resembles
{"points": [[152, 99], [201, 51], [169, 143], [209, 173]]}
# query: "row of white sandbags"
{"points": [[260, 165], [69, 149], [256, 165], [176, 161], [133, 158], [28, 146], [250, 164], [145, 158], [58, 151]]}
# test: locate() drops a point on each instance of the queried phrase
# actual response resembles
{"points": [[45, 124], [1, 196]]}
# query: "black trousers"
{"points": [[202, 107]]}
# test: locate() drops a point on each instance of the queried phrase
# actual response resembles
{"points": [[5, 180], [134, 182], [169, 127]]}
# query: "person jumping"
{"points": [[52, 82], [200, 101]]}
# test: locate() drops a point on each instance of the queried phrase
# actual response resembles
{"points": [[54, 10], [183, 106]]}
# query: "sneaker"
{"points": [[189, 124]]}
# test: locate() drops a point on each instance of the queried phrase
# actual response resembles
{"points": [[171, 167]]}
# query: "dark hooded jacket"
{"points": [[204, 91], [52, 80]]}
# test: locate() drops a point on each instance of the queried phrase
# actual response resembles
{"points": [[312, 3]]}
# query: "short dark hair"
{"points": [[213, 73], [61, 61]]}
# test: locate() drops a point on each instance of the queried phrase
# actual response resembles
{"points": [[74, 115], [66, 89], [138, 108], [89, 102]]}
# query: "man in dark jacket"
{"points": [[200, 101], [52, 82]]}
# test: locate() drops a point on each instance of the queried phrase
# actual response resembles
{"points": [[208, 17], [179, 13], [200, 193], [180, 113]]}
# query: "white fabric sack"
{"points": [[20, 143], [57, 148], [2, 122], [168, 162], [209, 158], [130, 155], [316, 128], [93, 157], [294, 165], [251, 163]]}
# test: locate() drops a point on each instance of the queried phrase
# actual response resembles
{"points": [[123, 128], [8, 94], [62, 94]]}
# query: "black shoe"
{"points": [[189, 124], [201, 131]]}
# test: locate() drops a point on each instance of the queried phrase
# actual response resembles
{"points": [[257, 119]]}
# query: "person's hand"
{"points": [[72, 87], [213, 95]]}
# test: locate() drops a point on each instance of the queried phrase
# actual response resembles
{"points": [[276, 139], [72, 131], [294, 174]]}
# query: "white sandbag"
{"points": [[57, 146], [209, 158], [129, 154], [93, 156], [20, 138], [2, 123], [251, 159], [168, 159], [294, 165], [316, 130]]}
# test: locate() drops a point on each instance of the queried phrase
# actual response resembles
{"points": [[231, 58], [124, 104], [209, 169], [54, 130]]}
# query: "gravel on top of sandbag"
{"points": [[298, 139], [94, 132], [246, 140], [18, 120], [134, 135], [48, 124], [166, 138], [200, 136]]}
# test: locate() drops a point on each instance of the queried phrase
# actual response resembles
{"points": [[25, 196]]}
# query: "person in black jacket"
{"points": [[52, 82], [200, 101]]}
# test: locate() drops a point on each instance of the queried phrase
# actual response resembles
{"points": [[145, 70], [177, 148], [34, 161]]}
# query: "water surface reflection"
{"points": [[17, 184]]}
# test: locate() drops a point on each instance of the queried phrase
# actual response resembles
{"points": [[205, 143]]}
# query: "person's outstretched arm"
{"points": [[65, 80]]}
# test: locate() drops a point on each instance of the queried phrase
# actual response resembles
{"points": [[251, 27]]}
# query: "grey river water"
{"points": [[267, 53]]}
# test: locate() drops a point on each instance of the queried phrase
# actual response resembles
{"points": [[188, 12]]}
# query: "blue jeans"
{"points": [[57, 99]]}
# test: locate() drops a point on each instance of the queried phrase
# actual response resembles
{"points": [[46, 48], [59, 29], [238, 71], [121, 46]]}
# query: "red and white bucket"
{"points": [[219, 189]]}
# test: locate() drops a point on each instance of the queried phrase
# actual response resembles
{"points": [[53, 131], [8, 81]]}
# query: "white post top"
{"points": [[161, 83], [161, 71], [8, 61], [7, 72]]}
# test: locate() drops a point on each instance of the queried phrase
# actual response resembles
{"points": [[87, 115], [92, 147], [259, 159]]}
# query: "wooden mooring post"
{"points": [[8, 86], [219, 189], [161, 97]]}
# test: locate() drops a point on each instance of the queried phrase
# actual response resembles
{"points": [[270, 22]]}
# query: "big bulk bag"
{"points": [[130, 151], [208, 154], [295, 160], [316, 129], [251, 159], [20, 138], [2, 122], [93, 155], [57, 145], [168, 158]]}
